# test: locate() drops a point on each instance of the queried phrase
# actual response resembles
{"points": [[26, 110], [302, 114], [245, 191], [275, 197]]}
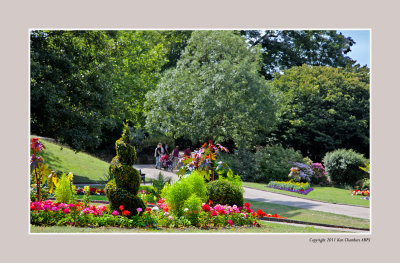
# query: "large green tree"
{"points": [[215, 92], [323, 108], [283, 49], [85, 83]]}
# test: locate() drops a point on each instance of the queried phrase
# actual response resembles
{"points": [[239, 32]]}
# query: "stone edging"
{"points": [[306, 198]]}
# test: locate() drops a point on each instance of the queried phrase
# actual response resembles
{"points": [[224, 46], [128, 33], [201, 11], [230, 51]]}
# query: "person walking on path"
{"points": [[157, 154]]}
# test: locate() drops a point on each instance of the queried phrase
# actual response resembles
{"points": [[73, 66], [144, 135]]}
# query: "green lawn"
{"points": [[266, 227], [307, 215], [326, 194], [86, 168]]}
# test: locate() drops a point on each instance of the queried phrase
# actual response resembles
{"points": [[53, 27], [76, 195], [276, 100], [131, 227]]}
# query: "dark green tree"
{"points": [[123, 189], [283, 49], [321, 109], [215, 92], [70, 94]]}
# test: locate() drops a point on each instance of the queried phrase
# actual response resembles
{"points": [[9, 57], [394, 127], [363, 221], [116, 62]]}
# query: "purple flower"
{"points": [[139, 210]]}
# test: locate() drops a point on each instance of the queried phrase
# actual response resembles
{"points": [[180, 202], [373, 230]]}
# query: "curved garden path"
{"points": [[275, 198]]}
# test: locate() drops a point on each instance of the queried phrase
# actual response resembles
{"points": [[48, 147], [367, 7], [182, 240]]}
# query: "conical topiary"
{"points": [[123, 189]]}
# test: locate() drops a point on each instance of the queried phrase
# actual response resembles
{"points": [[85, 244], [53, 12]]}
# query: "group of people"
{"points": [[161, 154]]}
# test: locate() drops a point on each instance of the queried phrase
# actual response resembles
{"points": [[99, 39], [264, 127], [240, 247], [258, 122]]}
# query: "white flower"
{"points": [[186, 209], [155, 208]]}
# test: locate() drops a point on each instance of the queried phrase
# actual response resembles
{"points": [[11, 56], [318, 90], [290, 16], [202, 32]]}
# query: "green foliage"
{"points": [[241, 162], [64, 192], [273, 163], [233, 179], [84, 83], [193, 206], [342, 167], [123, 189], [225, 193], [285, 49], [321, 109], [180, 191], [44, 193], [159, 183], [215, 92]]}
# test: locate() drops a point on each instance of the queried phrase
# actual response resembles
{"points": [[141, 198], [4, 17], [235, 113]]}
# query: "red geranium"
{"points": [[121, 207], [206, 208], [126, 213], [246, 205]]}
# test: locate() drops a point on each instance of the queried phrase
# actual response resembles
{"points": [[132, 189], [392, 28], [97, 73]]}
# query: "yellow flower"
{"points": [[70, 177]]}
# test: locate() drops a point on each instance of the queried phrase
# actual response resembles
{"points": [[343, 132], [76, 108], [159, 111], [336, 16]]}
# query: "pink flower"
{"points": [[66, 210], [139, 210], [115, 213], [166, 213], [70, 205], [230, 222], [170, 218]]}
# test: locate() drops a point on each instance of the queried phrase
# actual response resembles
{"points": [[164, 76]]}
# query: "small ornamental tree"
{"points": [[123, 189], [39, 170]]}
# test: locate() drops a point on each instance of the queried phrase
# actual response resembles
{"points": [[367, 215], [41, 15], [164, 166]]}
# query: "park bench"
{"points": [[142, 176]]}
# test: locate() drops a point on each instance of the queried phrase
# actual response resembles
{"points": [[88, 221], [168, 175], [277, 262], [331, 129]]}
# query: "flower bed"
{"points": [[364, 193], [297, 187], [92, 191], [49, 213]]}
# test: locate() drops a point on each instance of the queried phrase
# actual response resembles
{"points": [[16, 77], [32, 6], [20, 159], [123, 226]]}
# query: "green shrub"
{"points": [[225, 193], [193, 206], [123, 189], [159, 183], [64, 192], [233, 179], [180, 191], [241, 162], [342, 167], [273, 163]]}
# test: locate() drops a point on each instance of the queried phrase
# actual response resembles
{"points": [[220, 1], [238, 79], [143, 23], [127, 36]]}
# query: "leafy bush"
{"points": [[342, 167], [233, 179], [225, 193], [273, 163], [159, 183], [64, 192], [319, 175], [180, 191], [193, 207], [241, 162], [123, 189], [301, 172]]}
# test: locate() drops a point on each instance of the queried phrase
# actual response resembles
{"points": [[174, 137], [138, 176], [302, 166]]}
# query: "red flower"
{"points": [[254, 223], [206, 208], [246, 204], [230, 222], [210, 202], [214, 213], [166, 209], [126, 213], [121, 207], [260, 213], [148, 209]]}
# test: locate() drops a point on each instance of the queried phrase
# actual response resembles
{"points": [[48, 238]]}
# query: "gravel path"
{"points": [[264, 196]]}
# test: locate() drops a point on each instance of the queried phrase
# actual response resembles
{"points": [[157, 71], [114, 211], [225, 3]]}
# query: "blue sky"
{"points": [[361, 50]]}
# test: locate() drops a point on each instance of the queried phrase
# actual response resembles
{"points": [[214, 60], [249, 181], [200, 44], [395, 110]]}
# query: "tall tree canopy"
{"points": [[323, 108], [83, 82], [215, 92], [283, 49]]}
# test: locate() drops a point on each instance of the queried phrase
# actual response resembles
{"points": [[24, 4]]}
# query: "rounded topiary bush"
{"points": [[342, 167], [123, 189], [118, 196], [224, 193]]}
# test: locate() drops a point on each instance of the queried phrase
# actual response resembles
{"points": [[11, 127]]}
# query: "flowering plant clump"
{"points": [[92, 191], [361, 192], [147, 197], [300, 172], [292, 186], [319, 175], [203, 159]]}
